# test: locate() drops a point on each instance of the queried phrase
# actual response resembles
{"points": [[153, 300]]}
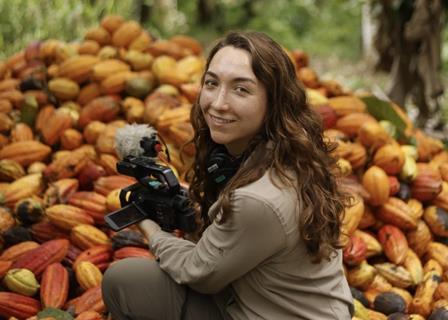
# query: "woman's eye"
{"points": [[210, 83], [241, 90]]}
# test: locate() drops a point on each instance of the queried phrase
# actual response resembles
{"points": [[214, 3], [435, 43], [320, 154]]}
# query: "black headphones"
{"points": [[221, 166]]}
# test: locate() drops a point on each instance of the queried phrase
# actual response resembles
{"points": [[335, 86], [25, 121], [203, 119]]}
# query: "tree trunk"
{"points": [[143, 11]]}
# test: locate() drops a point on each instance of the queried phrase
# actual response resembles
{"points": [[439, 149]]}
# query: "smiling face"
{"points": [[233, 101]]}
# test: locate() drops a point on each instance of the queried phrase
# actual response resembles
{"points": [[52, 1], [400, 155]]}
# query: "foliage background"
{"points": [[329, 30]]}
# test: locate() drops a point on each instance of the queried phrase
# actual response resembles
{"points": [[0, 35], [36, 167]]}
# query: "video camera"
{"points": [[157, 195]]}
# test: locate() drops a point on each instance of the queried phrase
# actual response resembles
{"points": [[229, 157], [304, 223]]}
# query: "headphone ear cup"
{"points": [[221, 166]]}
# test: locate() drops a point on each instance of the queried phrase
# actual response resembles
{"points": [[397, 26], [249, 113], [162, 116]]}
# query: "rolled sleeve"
{"points": [[225, 251]]}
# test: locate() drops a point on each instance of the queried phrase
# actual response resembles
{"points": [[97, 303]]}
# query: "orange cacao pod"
{"points": [[396, 275], [99, 255], [86, 236], [25, 152], [413, 264], [17, 250], [105, 185], [441, 200], [108, 67], [57, 123], [437, 220], [24, 187], [376, 182], [128, 252], [394, 243], [92, 202], [38, 259], [54, 286], [423, 297], [71, 139], [98, 34], [17, 305], [395, 211], [89, 315], [355, 251], [416, 208], [361, 276], [44, 231], [66, 216], [427, 184], [368, 219], [88, 93], [373, 246], [4, 267], [10, 170], [419, 238], [91, 300], [21, 132], [103, 109], [67, 166], [345, 105], [126, 33], [109, 163], [441, 291], [112, 22], [60, 191], [390, 158], [439, 252], [351, 218], [43, 116], [350, 123], [63, 88], [93, 130], [78, 68]]}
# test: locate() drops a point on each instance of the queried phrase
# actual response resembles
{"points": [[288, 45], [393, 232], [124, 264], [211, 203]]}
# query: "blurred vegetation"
{"points": [[329, 30], [295, 23]]}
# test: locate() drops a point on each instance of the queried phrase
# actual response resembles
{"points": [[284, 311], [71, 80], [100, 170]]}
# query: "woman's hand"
{"points": [[148, 227]]}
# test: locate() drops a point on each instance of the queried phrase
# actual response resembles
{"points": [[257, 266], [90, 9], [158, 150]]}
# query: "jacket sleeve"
{"points": [[225, 251]]}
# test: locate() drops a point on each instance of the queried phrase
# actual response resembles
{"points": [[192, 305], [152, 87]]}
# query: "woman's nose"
{"points": [[219, 100]]}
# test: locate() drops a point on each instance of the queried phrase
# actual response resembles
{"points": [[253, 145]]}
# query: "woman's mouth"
{"points": [[219, 120]]}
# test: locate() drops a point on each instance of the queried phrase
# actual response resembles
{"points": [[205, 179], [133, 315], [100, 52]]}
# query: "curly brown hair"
{"points": [[295, 132]]}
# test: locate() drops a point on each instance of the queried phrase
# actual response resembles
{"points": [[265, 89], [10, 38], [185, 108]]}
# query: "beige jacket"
{"points": [[254, 262]]}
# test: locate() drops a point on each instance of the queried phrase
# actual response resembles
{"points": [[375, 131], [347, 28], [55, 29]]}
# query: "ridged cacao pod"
{"points": [[17, 305], [427, 184], [390, 158], [437, 220], [394, 243], [21, 281], [396, 275], [413, 264], [25, 152], [86, 236], [376, 182], [361, 276], [373, 246], [54, 286], [355, 251], [88, 275], [419, 238], [439, 252], [66, 216], [398, 213], [39, 258]]}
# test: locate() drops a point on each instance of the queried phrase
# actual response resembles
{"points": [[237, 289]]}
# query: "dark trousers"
{"points": [[137, 289]]}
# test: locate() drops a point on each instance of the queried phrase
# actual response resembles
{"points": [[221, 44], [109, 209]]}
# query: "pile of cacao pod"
{"points": [[395, 234], [60, 105]]}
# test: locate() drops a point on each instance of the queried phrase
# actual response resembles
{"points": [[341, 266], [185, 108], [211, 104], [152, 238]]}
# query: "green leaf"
{"points": [[382, 110], [55, 313]]}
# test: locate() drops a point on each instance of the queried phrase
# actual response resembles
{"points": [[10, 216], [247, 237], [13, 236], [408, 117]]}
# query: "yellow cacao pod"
{"points": [[22, 281]]}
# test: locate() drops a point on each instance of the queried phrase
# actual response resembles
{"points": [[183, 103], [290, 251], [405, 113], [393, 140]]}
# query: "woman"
{"points": [[270, 248]]}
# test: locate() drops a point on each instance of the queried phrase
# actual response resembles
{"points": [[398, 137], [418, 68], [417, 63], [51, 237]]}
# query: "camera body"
{"points": [[157, 195]]}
